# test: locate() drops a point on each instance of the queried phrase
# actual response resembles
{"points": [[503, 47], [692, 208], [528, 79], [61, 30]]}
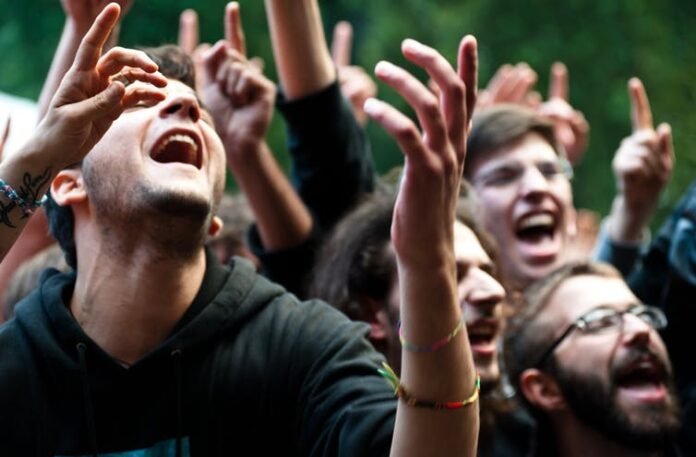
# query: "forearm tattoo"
{"points": [[29, 191]]}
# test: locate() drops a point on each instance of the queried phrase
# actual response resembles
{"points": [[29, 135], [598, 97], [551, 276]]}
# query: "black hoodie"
{"points": [[249, 371]]}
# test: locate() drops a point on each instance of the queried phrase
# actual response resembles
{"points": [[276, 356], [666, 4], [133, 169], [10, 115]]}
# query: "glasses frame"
{"points": [[565, 170], [581, 323]]}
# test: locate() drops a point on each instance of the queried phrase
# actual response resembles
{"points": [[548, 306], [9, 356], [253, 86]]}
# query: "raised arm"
{"points": [[642, 167], [240, 98], [299, 47], [442, 381], [332, 165], [90, 97]]}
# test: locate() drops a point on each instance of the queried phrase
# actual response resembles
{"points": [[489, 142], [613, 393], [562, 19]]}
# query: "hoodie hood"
{"points": [[87, 375]]}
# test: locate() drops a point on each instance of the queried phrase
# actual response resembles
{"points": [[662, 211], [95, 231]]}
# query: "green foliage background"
{"points": [[603, 43]]}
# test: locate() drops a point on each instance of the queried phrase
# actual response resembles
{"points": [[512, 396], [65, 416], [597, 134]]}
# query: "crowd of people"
{"points": [[459, 305]]}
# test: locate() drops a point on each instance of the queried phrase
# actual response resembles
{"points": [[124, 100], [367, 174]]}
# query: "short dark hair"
{"points": [[527, 336], [502, 125], [173, 63], [357, 261]]}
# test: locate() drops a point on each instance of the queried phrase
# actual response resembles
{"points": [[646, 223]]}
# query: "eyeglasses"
{"points": [[602, 319], [512, 173]]}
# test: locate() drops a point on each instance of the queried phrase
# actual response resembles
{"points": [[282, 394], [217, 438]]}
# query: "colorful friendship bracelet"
{"points": [[432, 347], [401, 393], [27, 207]]}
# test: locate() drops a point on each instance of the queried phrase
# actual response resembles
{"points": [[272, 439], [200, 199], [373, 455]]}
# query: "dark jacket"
{"points": [[666, 277], [332, 170], [249, 370]]}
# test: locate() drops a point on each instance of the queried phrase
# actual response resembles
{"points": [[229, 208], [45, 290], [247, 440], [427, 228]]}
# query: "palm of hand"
{"points": [[78, 136]]}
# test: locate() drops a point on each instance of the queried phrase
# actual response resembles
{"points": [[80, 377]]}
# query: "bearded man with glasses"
{"points": [[586, 358]]}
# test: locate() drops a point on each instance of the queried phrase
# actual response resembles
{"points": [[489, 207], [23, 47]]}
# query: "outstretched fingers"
{"points": [[420, 98], [452, 90], [399, 126]]}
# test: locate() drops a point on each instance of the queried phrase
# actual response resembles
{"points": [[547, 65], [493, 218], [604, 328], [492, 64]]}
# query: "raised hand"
{"points": [[356, 84], [642, 167], [434, 159], [510, 84], [238, 95], [93, 92], [422, 235], [570, 125]]}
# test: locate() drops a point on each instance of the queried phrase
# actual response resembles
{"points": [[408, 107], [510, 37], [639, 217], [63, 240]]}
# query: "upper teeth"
{"points": [[180, 137], [536, 220]]}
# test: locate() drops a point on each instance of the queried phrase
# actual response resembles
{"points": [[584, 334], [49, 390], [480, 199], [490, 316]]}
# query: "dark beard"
{"points": [[595, 404], [175, 224]]}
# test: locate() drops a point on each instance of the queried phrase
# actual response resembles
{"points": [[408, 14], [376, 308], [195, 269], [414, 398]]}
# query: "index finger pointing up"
{"points": [[641, 114], [342, 43], [90, 49], [234, 33], [558, 87], [188, 31]]}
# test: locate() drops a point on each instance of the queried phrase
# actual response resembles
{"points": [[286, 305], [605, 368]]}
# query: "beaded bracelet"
{"points": [[432, 347], [27, 207], [401, 393]]}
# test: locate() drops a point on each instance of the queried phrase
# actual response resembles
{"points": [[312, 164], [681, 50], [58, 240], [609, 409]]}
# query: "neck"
{"points": [[128, 300], [575, 439]]}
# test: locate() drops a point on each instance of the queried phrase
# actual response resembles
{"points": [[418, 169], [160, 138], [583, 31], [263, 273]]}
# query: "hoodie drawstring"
{"points": [[89, 409], [176, 359]]}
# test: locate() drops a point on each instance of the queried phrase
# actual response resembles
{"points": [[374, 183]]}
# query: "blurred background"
{"points": [[603, 43]]}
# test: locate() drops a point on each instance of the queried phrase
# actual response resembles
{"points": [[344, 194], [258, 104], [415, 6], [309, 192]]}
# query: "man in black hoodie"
{"points": [[150, 347]]}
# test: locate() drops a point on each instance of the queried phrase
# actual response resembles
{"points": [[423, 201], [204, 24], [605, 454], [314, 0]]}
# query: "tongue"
{"points": [[644, 392], [176, 151], [539, 247]]}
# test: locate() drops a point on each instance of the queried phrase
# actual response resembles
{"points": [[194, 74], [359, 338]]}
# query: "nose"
{"points": [[184, 105], [485, 293], [635, 331], [533, 182]]}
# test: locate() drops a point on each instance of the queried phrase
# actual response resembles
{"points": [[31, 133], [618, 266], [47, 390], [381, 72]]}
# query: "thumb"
{"points": [[101, 104]]}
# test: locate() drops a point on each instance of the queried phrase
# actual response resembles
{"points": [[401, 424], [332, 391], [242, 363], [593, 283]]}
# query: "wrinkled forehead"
{"points": [[578, 295]]}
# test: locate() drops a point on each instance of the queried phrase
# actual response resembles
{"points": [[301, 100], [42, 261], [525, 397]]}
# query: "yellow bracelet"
{"points": [[410, 400]]}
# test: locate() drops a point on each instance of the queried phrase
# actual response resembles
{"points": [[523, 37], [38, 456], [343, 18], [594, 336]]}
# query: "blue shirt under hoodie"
{"points": [[249, 371]]}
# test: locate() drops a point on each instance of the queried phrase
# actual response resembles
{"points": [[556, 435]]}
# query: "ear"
{"points": [[68, 187], [541, 390], [373, 312], [215, 226]]}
